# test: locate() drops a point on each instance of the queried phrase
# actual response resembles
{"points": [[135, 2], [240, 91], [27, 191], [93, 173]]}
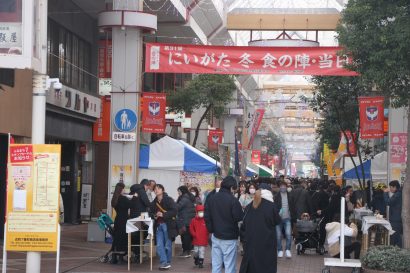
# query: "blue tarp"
{"points": [[351, 174]]}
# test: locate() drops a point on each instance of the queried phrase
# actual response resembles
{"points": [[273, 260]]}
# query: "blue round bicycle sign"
{"points": [[125, 120]]}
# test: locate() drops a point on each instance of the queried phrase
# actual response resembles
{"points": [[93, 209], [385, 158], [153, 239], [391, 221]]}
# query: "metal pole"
{"points": [[342, 229], [58, 248], [38, 125], [4, 265]]}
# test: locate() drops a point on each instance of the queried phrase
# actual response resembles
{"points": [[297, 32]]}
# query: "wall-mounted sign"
{"points": [[123, 136], [125, 120], [75, 100], [104, 86]]}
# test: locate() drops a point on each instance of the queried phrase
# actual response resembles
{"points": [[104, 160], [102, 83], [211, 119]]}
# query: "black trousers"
{"points": [[186, 240], [353, 248]]}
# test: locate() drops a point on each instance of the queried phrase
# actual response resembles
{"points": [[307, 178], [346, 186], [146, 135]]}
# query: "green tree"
{"points": [[273, 143], [335, 99], [212, 92], [376, 33]]}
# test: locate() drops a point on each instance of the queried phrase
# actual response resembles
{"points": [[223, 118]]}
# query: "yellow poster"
{"points": [[121, 173], [329, 158], [33, 194]]}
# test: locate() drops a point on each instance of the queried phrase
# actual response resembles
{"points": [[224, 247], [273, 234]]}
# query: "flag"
{"points": [[371, 111], [153, 112], [256, 157], [214, 138]]}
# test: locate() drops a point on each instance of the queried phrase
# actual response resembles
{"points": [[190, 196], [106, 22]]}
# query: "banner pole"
{"points": [[58, 248], [4, 265]]}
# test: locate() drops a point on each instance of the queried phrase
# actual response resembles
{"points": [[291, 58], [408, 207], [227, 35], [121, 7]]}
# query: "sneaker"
{"points": [[280, 254], [165, 267], [288, 254], [185, 254]]}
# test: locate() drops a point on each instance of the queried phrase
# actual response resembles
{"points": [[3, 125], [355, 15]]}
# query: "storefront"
{"points": [[69, 122]]}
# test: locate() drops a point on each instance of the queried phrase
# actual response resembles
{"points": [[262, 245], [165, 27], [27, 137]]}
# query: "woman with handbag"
{"points": [[186, 212], [165, 211]]}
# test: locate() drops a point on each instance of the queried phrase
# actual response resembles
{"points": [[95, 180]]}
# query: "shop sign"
{"points": [[75, 100], [10, 38], [398, 148], [101, 127], [33, 192]]}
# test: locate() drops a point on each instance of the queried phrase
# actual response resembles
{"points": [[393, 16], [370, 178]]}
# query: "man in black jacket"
{"points": [[141, 203], [222, 214], [138, 205]]}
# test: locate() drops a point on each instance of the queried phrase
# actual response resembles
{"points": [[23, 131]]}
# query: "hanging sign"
{"points": [[371, 117], [153, 112], [214, 138], [398, 147], [33, 192], [179, 58], [255, 123], [256, 157]]}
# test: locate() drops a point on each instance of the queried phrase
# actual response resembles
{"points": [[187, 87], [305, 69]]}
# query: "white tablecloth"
{"points": [[361, 212], [132, 225], [369, 221]]}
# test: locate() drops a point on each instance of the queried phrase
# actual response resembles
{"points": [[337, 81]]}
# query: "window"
{"points": [[69, 57]]}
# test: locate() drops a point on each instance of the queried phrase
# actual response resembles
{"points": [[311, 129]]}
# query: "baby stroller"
{"points": [[106, 223], [308, 235]]}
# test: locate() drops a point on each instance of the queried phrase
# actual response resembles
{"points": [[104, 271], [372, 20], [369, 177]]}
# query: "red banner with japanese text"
{"points": [[256, 122], [153, 112], [214, 138], [349, 142], [256, 157], [200, 59], [398, 148], [101, 127], [371, 117]]}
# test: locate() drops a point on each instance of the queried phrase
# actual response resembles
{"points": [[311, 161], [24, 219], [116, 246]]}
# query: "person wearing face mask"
{"points": [[195, 192], [199, 234], [247, 198], [287, 213]]}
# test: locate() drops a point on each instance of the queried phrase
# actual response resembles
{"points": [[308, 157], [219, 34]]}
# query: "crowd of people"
{"points": [[259, 213]]}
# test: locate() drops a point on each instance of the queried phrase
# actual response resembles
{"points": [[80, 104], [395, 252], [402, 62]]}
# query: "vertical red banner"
{"points": [[398, 148], [153, 112], [264, 159], [371, 117], [349, 142], [214, 138], [256, 157], [256, 122], [101, 128]]}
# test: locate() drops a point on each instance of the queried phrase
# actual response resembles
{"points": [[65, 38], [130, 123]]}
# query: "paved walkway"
{"points": [[78, 255]]}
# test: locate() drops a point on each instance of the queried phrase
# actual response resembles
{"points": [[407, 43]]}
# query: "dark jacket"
{"points": [[260, 252], [141, 203], [120, 237], [222, 214], [292, 210], [303, 201], [320, 201], [378, 202], [186, 207], [395, 204], [169, 205]]}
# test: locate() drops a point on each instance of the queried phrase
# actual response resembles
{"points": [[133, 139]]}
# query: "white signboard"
{"points": [[85, 209], [104, 86], [10, 37], [123, 136], [75, 100]]}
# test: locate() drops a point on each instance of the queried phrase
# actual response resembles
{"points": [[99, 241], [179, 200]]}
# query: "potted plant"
{"points": [[386, 259]]}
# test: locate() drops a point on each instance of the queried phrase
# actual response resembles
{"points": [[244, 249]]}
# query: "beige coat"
{"points": [[333, 232]]}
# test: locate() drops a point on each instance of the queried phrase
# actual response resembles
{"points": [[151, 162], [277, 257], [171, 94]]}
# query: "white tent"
{"points": [[375, 168]]}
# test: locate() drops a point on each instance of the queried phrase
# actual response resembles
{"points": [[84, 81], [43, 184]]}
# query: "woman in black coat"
{"points": [[186, 211], [259, 230], [121, 204]]}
